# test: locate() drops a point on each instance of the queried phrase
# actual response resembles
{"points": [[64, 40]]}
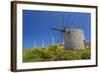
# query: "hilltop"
{"points": [[55, 53]]}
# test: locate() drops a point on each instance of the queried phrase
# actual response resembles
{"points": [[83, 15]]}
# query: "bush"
{"points": [[46, 54], [31, 55], [70, 55], [54, 53], [86, 53]]}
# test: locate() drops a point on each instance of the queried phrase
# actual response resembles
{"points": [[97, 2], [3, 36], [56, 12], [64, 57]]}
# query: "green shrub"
{"points": [[54, 53], [46, 54], [86, 53], [31, 55], [70, 55]]}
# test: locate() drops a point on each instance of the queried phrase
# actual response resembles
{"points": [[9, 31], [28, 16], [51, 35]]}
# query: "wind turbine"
{"points": [[34, 44], [43, 43], [53, 41]]}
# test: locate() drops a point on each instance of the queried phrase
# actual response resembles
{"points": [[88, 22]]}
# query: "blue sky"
{"points": [[37, 24]]}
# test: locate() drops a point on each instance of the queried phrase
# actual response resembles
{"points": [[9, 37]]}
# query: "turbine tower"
{"points": [[53, 41], [43, 43], [34, 44]]}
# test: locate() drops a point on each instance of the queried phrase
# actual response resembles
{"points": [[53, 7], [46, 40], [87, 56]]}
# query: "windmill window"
{"points": [[68, 32]]}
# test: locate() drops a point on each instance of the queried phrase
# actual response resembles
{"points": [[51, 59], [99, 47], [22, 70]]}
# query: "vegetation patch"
{"points": [[54, 53]]}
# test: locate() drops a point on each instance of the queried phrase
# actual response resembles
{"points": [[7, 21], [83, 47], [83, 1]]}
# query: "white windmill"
{"points": [[73, 37]]}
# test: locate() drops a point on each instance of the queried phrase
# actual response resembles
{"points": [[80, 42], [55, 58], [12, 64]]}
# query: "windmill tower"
{"points": [[73, 37]]}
